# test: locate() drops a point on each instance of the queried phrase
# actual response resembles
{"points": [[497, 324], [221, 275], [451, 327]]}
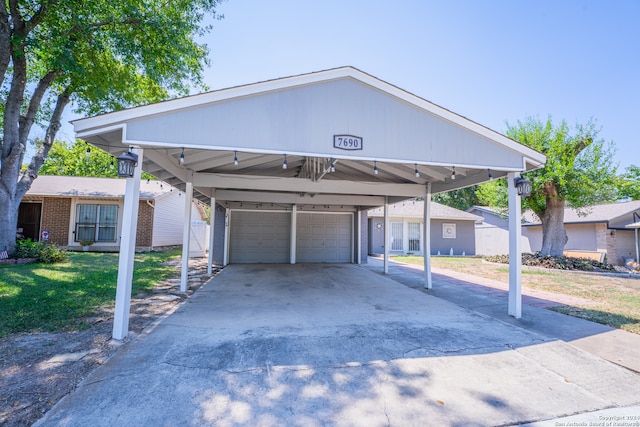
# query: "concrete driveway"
{"points": [[312, 345]]}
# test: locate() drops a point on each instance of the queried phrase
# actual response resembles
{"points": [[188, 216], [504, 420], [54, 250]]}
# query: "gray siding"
{"points": [[364, 236], [389, 126], [465, 240], [218, 234]]}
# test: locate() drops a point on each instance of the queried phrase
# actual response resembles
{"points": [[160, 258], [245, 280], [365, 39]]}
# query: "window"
{"points": [[396, 236], [414, 237], [97, 223]]}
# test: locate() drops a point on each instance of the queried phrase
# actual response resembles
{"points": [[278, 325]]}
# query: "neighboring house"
{"points": [[452, 230], [601, 229], [492, 233], [66, 210]]}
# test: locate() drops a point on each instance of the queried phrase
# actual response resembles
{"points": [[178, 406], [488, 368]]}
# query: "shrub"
{"points": [[560, 263], [47, 253]]}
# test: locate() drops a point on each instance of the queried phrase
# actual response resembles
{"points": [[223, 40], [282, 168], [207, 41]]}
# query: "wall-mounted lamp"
{"points": [[523, 186], [416, 171], [333, 166], [284, 163], [127, 163], [235, 158], [453, 172], [182, 157], [375, 167]]}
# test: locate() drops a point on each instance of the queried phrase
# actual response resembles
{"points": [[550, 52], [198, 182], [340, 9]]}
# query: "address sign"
{"points": [[347, 142]]}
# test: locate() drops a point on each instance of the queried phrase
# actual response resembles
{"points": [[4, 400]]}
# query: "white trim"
{"points": [[227, 219], [186, 237], [212, 223], [82, 125], [515, 248], [381, 162], [426, 238], [293, 234], [127, 253]]}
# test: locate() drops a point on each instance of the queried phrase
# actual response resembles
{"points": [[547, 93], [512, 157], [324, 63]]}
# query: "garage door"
{"points": [[259, 237], [323, 237]]}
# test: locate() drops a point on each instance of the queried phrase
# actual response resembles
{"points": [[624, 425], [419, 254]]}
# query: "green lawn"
{"points": [[55, 297], [617, 299]]}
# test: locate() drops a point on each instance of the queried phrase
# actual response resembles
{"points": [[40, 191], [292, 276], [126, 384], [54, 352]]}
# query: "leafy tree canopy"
{"points": [[99, 56], [579, 172], [462, 199], [81, 159], [629, 183]]}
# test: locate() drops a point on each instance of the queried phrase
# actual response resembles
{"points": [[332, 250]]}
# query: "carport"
{"points": [[292, 164]]}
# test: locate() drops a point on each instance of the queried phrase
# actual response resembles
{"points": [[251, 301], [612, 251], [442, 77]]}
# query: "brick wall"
{"points": [[145, 224], [56, 213]]}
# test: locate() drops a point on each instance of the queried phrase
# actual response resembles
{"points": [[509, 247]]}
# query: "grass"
{"points": [[58, 297], [617, 300]]}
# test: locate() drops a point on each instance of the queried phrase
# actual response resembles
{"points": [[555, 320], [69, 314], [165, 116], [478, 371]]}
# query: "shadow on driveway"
{"points": [[312, 344]]}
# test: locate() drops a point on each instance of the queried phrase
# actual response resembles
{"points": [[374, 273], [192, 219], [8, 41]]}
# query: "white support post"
{"points": [[515, 249], [186, 236], [387, 234], [426, 238], [227, 216], [294, 225], [359, 236], [637, 248], [212, 223], [127, 252]]}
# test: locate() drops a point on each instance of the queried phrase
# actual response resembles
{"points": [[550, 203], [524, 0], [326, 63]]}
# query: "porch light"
{"points": [[284, 163], [523, 186], [127, 163], [333, 166], [453, 172], [235, 158], [182, 157], [375, 167], [417, 172]]}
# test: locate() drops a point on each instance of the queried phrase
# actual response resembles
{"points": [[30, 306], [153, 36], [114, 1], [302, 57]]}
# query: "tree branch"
{"points": [[40, 14], [5, 41], [26, 121], [38, 159]]}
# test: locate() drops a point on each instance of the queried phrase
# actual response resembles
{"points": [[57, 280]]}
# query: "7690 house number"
{"points": [[347, 142]]}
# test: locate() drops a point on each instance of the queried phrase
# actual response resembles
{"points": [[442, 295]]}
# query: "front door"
{"points": [[29, 215]]}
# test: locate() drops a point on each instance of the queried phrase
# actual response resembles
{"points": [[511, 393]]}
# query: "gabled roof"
{"points": [[609, 212], [415, 209], [75, 186], [399, 142]]}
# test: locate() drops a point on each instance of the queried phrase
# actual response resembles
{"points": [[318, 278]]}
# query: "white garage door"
{"points": [[323, 237], [259, 237]]}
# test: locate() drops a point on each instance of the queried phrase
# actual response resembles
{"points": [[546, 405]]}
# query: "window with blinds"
{"points": [[96, 222]]}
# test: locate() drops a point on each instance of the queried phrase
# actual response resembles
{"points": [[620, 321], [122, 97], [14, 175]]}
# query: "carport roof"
{"points": [[403, 142]]}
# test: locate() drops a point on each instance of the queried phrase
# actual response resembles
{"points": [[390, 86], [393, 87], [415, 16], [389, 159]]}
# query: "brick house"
{"points": [[67, 210]]}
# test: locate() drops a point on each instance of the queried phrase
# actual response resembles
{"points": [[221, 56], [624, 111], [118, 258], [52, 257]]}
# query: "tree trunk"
{"points": [[8, 221], [554, 236]]}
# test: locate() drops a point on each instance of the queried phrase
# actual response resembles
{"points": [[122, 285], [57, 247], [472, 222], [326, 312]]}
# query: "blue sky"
{"points": [[493, 61]]}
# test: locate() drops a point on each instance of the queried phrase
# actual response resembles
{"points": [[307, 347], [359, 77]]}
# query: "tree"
{"points": [[463, 198], [579, 172], [629, 183], [98, 55], [80, 159]]}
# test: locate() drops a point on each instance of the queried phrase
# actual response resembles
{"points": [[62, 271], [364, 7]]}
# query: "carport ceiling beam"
{"points": [[297, 185], [295, 198], [166, 164]]}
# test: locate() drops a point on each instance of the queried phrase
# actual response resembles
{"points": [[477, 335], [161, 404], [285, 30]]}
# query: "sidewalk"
{"points": [[490, 297]]}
